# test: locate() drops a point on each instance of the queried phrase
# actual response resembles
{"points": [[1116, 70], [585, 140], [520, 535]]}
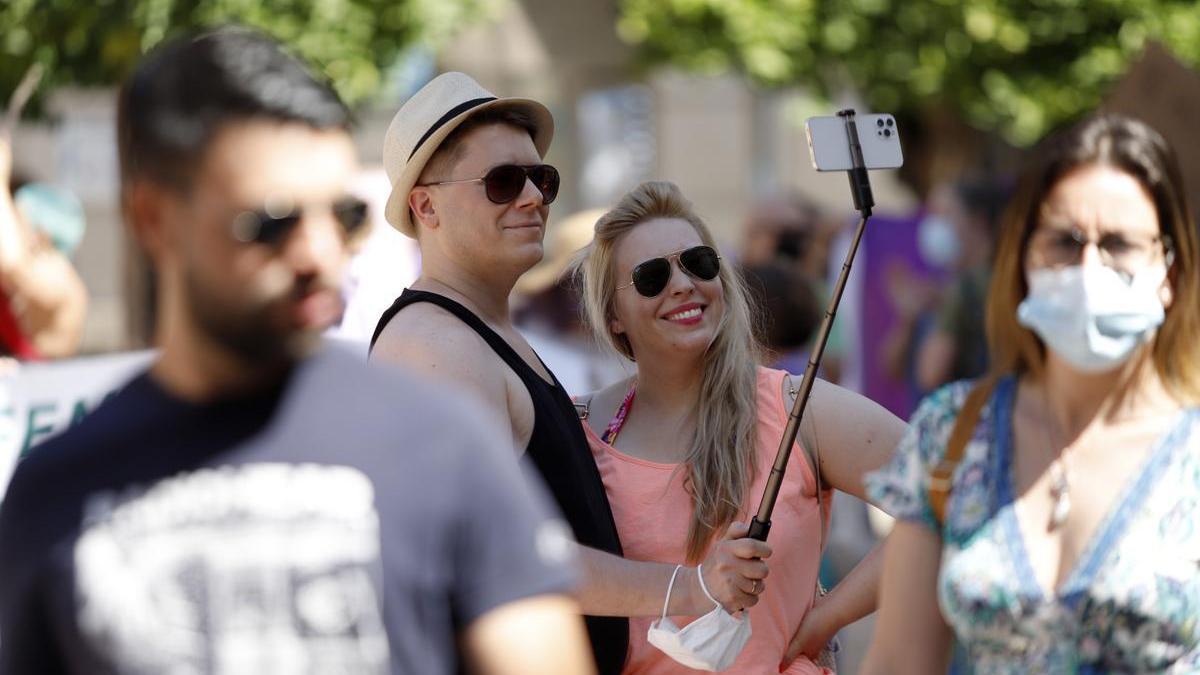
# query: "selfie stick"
{"points": [[860, 188]]}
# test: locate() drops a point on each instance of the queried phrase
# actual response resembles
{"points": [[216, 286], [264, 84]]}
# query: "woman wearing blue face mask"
{"points": [[1048, 511]]}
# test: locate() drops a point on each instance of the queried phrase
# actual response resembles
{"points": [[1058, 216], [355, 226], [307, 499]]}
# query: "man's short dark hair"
{"points": [[451, 148], [187, 90]]}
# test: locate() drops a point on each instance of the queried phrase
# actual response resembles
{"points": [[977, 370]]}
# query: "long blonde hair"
{"points": [[720, 461]]}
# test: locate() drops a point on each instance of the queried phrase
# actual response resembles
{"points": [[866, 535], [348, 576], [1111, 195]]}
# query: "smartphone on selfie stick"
{"points": [[854, 144]]}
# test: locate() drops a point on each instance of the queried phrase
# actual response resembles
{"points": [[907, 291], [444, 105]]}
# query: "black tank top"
{"points": [[559, 450]]}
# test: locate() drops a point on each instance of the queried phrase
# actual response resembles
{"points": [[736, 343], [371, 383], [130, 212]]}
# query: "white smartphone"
{"points": [[829, 146]]}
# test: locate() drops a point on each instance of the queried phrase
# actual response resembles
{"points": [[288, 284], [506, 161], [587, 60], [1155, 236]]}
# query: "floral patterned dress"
{"points": [[1132, 602]]}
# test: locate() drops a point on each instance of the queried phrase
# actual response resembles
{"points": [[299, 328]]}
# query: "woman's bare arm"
{"points": [[910, 634]]}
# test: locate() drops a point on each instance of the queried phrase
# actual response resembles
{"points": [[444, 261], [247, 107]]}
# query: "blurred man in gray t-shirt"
{"points": [[254, 503]]}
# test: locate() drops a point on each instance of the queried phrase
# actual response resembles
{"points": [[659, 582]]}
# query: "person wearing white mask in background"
{"points": [[937, 335], [43, 301], [1047, 511], [957, 235]]}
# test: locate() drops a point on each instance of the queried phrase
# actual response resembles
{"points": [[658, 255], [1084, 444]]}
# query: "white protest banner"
{"points": [[39, 400]]}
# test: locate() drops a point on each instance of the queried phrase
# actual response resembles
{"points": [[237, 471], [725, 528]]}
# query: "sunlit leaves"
{"points": [[1017, 67], [349, 41]]}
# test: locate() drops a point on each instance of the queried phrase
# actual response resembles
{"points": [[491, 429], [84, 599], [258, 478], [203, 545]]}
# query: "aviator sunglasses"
{"points": [[505, 182], [272, 224], [651, 277]]}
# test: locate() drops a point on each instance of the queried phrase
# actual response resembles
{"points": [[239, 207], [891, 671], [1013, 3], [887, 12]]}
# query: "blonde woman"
{"points": [[1060, 533], [685, 445]]}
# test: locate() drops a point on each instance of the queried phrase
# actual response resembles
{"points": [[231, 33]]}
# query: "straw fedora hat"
{"points": [[425, 120], [563, 241]]}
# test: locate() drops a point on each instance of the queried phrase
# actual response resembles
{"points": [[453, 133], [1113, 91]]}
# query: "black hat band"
{"points": [[451, 114]]}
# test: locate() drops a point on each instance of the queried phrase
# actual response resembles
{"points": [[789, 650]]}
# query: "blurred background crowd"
{"points": [[710, 94]]}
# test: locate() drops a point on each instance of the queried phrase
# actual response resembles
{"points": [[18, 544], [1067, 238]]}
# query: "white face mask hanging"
{"points": [[1090, 315], [711, 642]]}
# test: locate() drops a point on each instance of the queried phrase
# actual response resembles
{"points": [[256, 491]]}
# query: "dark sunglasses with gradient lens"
{"points": [[651, 277], [274, 223], [505, 182]]}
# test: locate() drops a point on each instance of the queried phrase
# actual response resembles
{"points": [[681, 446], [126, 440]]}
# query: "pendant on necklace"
{"points": [[1060, 491]]}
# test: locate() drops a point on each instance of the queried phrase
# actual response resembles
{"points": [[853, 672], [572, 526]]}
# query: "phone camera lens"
{"points": [[890, 123], [887, 132], [879, 123]]}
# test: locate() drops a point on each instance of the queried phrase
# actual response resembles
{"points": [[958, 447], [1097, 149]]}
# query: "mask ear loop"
{"points": [[700, 576], [671, 585]]}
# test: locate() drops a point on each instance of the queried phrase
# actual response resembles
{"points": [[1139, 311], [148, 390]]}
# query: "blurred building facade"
{"points": [[723, 141]]}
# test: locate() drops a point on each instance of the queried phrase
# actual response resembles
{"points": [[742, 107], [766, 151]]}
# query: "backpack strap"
{"points": [[583, 409], [827, 658], [941, 476], [813, 459]]}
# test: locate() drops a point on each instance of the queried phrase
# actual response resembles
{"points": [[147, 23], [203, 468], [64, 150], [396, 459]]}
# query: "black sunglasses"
{"points": [[273, 224], [505, 182], [651, 277]]}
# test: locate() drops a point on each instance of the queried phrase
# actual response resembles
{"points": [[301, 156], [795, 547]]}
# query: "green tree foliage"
{"points": [[96, 42], [1017, 67]]}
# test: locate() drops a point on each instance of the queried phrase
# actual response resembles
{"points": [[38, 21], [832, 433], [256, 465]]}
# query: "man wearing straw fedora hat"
{"points": [[469, 183]]}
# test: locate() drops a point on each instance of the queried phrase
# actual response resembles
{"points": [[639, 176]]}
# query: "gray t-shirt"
{"points": [[350, 519]]}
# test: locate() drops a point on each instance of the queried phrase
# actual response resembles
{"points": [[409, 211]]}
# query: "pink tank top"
{"points": [[652, 511]]}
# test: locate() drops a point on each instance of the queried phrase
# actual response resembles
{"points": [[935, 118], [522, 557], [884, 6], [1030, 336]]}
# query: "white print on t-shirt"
{"points": [[262, 568]]}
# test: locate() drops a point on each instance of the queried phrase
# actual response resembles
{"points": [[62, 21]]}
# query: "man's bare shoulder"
{"points": [[431, 340]]}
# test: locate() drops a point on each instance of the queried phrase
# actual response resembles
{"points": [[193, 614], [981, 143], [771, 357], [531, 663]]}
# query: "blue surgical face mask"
{"points": [[54, 211], [938, 241], [1091, 315]]}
